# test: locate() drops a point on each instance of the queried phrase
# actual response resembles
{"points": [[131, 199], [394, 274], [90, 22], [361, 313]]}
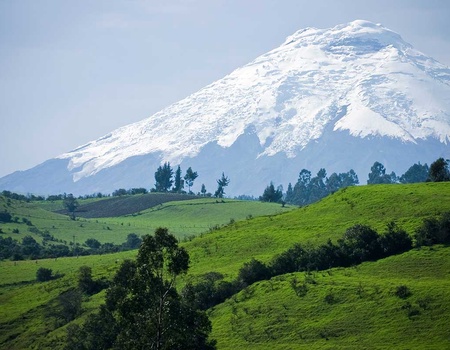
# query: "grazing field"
{"points": [[183, 218], [264, 237], [187, 218], [124, 205], [347, 308], [344, 308]]}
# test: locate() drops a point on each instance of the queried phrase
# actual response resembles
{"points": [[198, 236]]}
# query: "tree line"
{"points": [[168, 181], [310, 189], [29, 248], [438, 171], [359, 243]]}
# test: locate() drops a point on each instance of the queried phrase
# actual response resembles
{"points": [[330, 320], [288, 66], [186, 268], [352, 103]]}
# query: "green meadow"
{"points": [[264, 237], [183, 218], [346, 308]]}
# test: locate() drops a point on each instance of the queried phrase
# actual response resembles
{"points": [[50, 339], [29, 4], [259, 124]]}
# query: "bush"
{"points": [[360, 243], [253, 271], [395, 240], [434, 231], [209, 291], [5, 217], [403, 292], [43, 274], [92, 243]]}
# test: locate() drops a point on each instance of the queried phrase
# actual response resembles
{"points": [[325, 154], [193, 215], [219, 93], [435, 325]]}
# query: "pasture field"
{"points": [[343, 308], [193, 217], [183, 218], [263, 237], [123, 205]]}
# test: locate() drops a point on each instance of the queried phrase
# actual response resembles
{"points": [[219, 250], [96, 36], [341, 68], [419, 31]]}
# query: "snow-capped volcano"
{"points": [[337, 98]]}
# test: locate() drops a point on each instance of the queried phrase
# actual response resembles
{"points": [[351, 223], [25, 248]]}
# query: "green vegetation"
{"points": [[143, 309], [185, 218], [344, 308], [125, 204], [264, 237], [399, 301]]}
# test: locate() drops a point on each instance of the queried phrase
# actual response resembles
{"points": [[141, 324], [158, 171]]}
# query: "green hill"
{"points": [[264, 237], [125, 205], [352, 307], [184, 218]]}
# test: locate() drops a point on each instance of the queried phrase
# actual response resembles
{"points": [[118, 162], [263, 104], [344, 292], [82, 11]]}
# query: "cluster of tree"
{"points": [[434, 231], [310, 189], [438, 171], [359, 243], [416, 173], [143, 309], [166, 180], [29, 248], [51, 198], [21, 197], [130, 192], [271, 194]]}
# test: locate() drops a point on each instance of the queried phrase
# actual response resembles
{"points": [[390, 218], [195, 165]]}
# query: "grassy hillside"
{"points": [[198, 216], [183, 218], [124, 205], [348, 306], [264, 237], [352, 308]]}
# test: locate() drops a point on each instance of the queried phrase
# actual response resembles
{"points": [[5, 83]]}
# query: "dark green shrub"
{"points": [[434, 231], [253, 271], [395, 240], [402, 292], [92, 243], [43, 274], [5, 217]]}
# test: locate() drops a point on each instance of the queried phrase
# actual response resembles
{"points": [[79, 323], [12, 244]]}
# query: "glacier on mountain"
{"points": [[356, 85]]}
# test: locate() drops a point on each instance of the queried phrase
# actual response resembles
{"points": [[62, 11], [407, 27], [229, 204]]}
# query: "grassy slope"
{"points": [[184, 218], [25, 303], [197, 216], [124, 205], [225, 250], [363, 311]]}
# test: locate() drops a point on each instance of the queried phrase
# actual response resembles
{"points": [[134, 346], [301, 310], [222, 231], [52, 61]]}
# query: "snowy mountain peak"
{"points": [[356, 35], [358, 77], [321, 88]]}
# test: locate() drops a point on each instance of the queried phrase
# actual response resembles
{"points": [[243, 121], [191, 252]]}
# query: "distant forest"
{"points": [[310, 189]]}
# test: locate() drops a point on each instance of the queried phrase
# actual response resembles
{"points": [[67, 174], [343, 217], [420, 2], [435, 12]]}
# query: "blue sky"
{"points": [[72, 71]]}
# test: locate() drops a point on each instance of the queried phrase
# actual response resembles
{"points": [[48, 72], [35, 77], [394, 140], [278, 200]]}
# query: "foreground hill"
{"points": [[348, 307], [351, 308], [264, 237]]}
